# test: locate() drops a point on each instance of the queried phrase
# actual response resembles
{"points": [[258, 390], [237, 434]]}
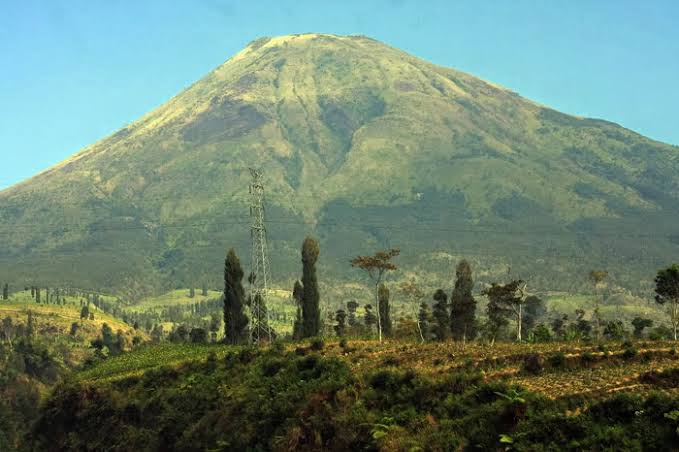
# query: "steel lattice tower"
{"points": [[259, 262]]}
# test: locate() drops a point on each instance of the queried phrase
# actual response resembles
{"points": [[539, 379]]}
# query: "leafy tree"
{"points": [[298, 296], [157, 333], [37, 295], [84, 313], [215, 326], [369, 318], [463, 304], [424, 319], [5, 292], [597, 277], [615, 330], [540, 333], [639, 324], [376, 266], [535, 309], [108, 340], [441, 327], [311, 312], [415, 295], [30, 325], [198, 336], [340, 327], [204, 289], [8, 330], [384, 311], [192, 292], [235, 320], [667, 292], [352, 307], [581, 328], [558, 325], [179, 334], [504, 300]]}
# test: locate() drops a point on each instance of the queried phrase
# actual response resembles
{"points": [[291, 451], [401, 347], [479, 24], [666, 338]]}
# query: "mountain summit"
{"points": [[364, 146]]}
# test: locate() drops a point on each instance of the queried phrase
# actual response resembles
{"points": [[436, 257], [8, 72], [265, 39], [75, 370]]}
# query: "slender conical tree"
{"points": [[5, 292], [311, 313], [463, 304], [235, 320], [385, 310]]}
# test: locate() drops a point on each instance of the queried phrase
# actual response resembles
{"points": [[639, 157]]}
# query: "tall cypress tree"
{"points": [[311, 313], [463, 304], [5, 292], [235, 320], [383, 297]]}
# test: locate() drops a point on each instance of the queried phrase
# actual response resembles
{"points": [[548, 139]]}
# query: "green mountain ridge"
{"points": [[364, 146]]}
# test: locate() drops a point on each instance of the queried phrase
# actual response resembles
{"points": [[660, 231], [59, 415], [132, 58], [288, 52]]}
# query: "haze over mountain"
{"points": [[365, 147]]}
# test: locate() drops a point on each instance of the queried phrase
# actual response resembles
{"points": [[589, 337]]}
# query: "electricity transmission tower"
{"points": [[259, 262]]}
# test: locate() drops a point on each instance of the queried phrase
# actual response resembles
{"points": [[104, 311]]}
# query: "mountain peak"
{"points": [[352, 132]]}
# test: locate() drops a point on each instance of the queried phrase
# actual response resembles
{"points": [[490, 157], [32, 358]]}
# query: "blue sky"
{"points": [[74, 71]]}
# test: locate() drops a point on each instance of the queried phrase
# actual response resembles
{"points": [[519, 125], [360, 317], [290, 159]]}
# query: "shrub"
{"points": [[317, 344], [587, 359], [629, 353], [533, 364], [557, 360]]}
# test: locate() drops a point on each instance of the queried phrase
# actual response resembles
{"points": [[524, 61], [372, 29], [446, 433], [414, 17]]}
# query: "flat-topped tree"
{"points": [[376, 267], [667, 292]]}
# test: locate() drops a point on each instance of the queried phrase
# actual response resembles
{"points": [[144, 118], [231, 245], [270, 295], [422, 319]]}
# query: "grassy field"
{"points": [[363, 395], [54, 321], [279, 302], [586, 370]]}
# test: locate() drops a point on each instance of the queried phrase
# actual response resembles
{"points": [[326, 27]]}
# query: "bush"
{"points": [[557, 360], [587, 359], [317, 344], [629, 353], [660, 333], [533, 364]]}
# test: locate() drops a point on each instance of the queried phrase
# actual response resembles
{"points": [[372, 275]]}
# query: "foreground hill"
{"points": [[367, 396], [364, 146]]}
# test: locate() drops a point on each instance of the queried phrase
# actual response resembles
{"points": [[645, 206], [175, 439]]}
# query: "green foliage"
{"points": [[615, 330]]}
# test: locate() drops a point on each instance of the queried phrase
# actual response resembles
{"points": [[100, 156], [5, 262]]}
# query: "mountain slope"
{"points": [[364, 146]]}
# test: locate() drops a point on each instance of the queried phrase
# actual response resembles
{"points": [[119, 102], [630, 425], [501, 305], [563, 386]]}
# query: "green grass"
{"points": [[149, 357], [174, 298]]}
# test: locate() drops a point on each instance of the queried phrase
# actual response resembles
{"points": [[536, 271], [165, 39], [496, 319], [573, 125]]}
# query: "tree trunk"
{"points": [[419, 328], [379, 316], [518, 324]]}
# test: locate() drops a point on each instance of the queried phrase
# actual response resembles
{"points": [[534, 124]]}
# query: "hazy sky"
{"points": [[72, 71]]}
